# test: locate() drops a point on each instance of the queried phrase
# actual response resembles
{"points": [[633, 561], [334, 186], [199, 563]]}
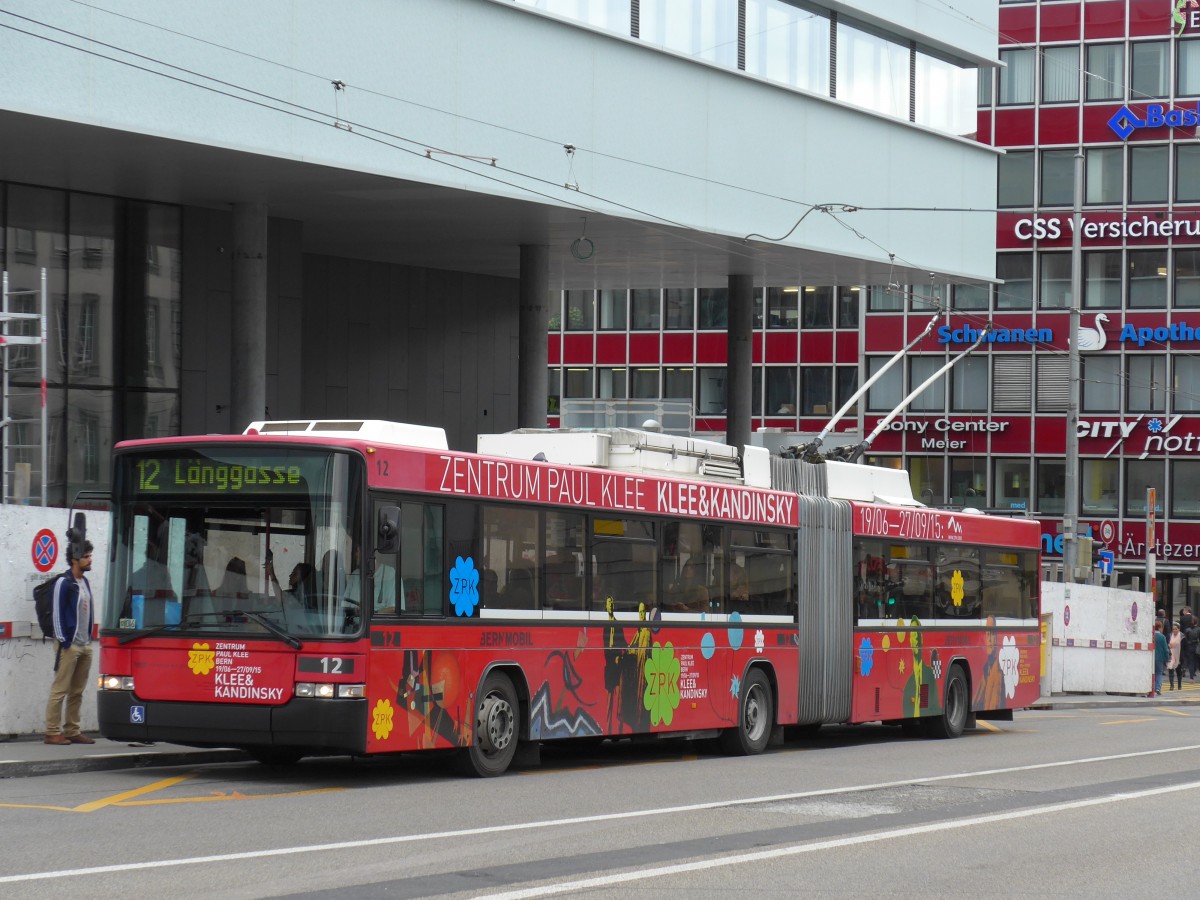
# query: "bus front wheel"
{"points": [[494, 735], [756, 715], [955, 708]]}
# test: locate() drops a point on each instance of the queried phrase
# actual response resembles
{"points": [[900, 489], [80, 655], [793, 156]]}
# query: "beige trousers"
{"points": [[74, 666]]}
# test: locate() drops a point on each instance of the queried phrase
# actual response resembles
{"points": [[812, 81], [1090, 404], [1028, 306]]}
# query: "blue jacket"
{"points": [[66, 610]]}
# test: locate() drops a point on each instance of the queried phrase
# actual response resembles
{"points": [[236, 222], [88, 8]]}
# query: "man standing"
{"points": [[73, 615]]}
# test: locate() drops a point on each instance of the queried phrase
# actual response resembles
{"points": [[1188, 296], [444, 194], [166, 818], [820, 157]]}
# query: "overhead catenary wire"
{"points": [[319, 117]]}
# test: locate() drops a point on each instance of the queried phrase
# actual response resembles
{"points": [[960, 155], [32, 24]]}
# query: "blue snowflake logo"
{"points": [[1155, 425], [464, 586], [735, 686], [866, 653]]}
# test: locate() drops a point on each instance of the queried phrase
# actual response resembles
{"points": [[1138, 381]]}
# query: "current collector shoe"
{"points": [[59, 739], [79, 739]]}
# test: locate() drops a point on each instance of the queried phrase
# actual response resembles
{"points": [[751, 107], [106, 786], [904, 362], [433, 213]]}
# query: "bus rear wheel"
{"points": [[756, 715], [494, 735], [956, 705]]}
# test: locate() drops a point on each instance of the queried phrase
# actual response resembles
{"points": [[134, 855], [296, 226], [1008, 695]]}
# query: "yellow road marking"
{"points": [[131, 798], [1128, 721], [986, 726], [1174, 712], [128, 795], [221, 795]]}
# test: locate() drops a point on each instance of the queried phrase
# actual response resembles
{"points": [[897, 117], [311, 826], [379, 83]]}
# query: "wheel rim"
{"points": [[955, 702], [755, 717], [495, 725]]}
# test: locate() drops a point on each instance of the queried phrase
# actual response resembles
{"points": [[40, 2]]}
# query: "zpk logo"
{"points": [[1125, 121]]}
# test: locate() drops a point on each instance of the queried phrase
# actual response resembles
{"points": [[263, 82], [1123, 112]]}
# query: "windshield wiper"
{"points": [[186, 620], [266, 623], [195, 618]]}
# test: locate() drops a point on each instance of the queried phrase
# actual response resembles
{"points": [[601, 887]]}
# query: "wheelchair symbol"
{"points": [[137, 715]]}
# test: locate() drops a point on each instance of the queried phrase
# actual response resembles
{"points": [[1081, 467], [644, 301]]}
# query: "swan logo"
{"points": [[1087, 339]]}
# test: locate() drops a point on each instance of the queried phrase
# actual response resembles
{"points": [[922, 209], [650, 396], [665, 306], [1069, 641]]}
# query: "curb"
{"points": [[115, 761], [1129, 702]]}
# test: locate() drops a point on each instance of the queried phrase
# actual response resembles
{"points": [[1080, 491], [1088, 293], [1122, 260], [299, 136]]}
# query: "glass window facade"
{"points": [[114, 276]]}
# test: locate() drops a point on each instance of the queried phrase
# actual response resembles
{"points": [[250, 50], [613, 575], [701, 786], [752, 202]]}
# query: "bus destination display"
{"points": [[175, 475]]}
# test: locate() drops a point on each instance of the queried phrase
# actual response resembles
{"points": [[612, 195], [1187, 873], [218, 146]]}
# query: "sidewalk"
{"points": [[26, 755]]}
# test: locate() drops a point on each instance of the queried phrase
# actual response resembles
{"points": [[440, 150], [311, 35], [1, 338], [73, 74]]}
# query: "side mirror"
{"points": [[387, 539]]}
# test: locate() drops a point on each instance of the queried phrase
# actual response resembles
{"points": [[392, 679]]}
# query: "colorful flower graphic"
{"points": [[708, 645], [201, 659], [735, 634], [464, 586], [760, 641], [866, 653], [381, 720], [662, 684], [735, 686]]}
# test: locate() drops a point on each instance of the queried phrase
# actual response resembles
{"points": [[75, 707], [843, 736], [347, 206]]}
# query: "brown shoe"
{"points": [[60, 739], [79, 739]]}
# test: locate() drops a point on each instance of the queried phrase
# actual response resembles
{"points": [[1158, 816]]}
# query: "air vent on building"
{"points": [[1012, 383], [1053, 377]]}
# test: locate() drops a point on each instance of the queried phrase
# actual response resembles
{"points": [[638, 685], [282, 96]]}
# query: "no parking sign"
{"points": [[45, 550]]}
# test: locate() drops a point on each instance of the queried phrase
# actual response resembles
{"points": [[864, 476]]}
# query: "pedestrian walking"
{"points": [[1174, 669], [1191, 649], [73, 616], [1161, 654]]}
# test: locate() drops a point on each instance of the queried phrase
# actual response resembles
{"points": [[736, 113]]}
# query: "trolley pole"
{"points": [[1070, 525]]}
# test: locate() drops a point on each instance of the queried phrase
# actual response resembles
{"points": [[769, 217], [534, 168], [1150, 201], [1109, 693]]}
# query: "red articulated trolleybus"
{"points": [[357, 588]]}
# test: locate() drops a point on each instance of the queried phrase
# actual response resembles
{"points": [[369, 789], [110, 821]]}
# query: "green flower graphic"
{"points": [[662, 684]]}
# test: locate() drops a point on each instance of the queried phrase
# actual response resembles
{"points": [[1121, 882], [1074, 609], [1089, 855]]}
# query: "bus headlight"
{"points": [[324, 691], [115, 683]]}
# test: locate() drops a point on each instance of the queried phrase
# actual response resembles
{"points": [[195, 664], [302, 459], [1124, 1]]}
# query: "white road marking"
{"points": [[637, 814], [796, 849]]}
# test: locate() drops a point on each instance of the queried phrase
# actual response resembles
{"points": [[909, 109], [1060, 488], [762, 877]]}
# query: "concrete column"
{"points": [[533, 379], [248, 354], [740, 362]]}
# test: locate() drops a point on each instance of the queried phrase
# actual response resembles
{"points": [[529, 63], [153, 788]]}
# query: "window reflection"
{"points": [[787, 44], [705, 29], [872, 71]]}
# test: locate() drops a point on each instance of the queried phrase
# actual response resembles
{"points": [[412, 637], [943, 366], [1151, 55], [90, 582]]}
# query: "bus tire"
{"points": [[756, 716], [956, 706], [494, 733]]}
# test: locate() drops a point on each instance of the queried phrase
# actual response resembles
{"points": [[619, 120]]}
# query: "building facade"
{"points": [[405, 162], [992, 431]]}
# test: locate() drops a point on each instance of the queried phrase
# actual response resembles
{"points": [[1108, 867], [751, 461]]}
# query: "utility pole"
{"points": [[1070, 524]]}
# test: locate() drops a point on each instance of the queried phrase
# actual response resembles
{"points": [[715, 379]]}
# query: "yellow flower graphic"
{"points": [[381, 720], [956, 587], [201, 660]]}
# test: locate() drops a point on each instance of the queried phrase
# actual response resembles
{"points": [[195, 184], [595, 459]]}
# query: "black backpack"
{"points": [[43, 604]]}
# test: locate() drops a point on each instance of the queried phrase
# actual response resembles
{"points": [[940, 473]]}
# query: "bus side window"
{"points": [[385, 583], [421, 559]]}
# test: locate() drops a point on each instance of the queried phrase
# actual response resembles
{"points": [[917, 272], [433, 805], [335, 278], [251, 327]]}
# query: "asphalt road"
{"points": [[1075, 803]]}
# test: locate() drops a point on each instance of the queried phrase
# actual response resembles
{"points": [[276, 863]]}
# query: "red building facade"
{"points": [[992, 432]]}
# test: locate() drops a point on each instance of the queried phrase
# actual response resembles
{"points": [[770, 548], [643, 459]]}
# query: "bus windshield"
{"points": [[236, 541]]}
